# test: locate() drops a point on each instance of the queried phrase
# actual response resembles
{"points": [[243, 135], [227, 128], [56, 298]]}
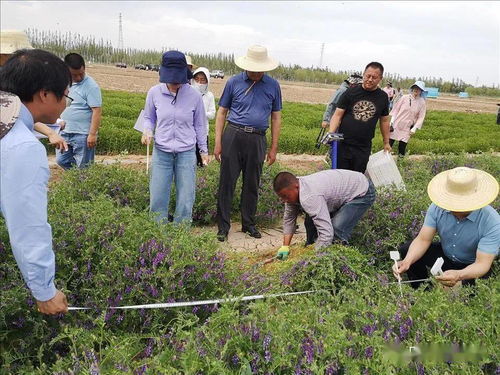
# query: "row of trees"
{"points": [[102, 51]]}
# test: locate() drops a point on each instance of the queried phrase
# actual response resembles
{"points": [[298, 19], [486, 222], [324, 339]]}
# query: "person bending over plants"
{"points": [[468, 228], [333, 201]]}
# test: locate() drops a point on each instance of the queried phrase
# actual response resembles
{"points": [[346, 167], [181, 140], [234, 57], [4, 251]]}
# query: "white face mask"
{"points": [[203, 88]]}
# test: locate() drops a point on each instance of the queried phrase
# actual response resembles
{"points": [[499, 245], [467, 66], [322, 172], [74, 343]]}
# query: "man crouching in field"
{"points": [[335, 200], [468, 228]]}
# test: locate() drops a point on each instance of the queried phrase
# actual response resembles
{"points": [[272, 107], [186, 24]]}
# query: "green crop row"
{"points": [[443, 132]]}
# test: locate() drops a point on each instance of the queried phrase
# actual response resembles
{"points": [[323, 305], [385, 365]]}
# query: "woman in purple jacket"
{"points": [[175, 114]]}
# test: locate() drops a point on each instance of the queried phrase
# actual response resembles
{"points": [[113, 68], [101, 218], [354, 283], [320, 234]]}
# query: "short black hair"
{"points": [[283, 180], [375, 65], [74, 60], [28, 71]]}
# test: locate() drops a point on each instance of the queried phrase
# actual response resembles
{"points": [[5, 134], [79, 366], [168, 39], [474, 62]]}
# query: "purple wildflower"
{"points": [[235, 360], [332, 369], [369, 329], [141, 370], [421, 369], [369, 352], [308, 349], [255, 334]]}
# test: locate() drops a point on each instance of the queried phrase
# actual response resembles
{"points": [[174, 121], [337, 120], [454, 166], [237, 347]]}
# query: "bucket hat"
{"points": [[12, 40], [174, 68], [256, 60], [462, 189], [10, 106], [421, 86]]}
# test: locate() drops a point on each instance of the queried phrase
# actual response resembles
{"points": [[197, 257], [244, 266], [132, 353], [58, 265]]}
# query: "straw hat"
{"points": [[256, 60], [12, 40], [463, 189]]}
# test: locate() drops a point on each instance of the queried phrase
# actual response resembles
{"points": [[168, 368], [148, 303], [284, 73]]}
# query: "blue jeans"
{"points": [[345, 218], [167, 167], [78, 153]]}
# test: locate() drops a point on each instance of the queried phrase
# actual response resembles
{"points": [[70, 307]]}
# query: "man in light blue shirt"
{"points": [[468, 228], [82, 118], [33, 84]]}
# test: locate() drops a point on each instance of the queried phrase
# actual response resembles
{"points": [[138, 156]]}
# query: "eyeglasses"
{"points": [[69, 100]]}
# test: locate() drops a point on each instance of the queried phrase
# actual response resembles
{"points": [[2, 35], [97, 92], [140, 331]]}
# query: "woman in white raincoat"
{"points": [[407, 116], [201, 80]]}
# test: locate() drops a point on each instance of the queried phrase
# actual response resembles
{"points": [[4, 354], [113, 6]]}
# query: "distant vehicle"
{"points": [[121, 65], [140, 67], [217, 74]]}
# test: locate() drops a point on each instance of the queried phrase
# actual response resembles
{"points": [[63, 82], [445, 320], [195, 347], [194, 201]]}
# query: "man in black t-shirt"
{"points": [[357, 113]]}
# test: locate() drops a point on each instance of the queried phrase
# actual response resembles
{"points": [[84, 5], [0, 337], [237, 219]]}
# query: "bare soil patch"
{"points": [[129, 79]]}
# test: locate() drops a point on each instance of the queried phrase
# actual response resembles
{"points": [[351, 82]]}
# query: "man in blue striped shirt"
{"points": [[34, 87]]}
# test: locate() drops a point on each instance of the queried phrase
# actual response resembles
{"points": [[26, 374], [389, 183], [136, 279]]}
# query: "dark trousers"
{"points": [[401, 146], [354, 158], [420, 269], [241, 152]]}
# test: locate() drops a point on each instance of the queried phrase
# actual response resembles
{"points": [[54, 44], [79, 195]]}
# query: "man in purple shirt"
{"points": [[335, 199], [249, 98], [175, 112]]}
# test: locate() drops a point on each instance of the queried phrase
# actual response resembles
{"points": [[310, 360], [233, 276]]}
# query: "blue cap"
{"points": [[174, 68]]}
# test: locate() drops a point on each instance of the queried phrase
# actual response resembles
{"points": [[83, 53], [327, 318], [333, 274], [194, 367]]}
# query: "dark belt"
{"points": [[247, 129]]}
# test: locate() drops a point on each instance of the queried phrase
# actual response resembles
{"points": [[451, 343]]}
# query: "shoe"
{"points": [[252, 231], [222, 235]]}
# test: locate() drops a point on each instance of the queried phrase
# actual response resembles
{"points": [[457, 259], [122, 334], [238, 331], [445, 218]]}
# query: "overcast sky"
{"points": [[442, 39]]}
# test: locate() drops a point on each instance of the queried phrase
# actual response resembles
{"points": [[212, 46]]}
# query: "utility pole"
{"points": [[120, 33], [321, 55]]}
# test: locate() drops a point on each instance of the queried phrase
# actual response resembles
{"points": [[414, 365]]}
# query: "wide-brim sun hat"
{"points": [[174, 68], [421, 86], [13, 40], [256, 60], [463, 189]]}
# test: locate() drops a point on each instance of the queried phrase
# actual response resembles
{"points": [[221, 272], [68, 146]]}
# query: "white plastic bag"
{"points": [[382, 170]]}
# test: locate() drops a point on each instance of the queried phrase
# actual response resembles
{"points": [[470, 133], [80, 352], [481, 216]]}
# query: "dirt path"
{"points": [[129, 79]]}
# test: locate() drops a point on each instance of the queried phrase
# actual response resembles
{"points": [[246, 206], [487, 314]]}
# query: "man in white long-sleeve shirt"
{"points": [[335, 200]]}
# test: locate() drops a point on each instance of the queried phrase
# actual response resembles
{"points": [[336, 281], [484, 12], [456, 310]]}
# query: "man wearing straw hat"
{"points": [[34, 86], [469, 229], [248, 100]]}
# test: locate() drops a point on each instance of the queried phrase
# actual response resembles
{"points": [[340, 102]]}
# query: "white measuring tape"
{"points": [[214, 301], [196, 303]]}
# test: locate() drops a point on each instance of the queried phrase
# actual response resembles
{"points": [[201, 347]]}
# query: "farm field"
{"points": [[355, 321], [109, 253], [443, 131], [139, 81]]}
